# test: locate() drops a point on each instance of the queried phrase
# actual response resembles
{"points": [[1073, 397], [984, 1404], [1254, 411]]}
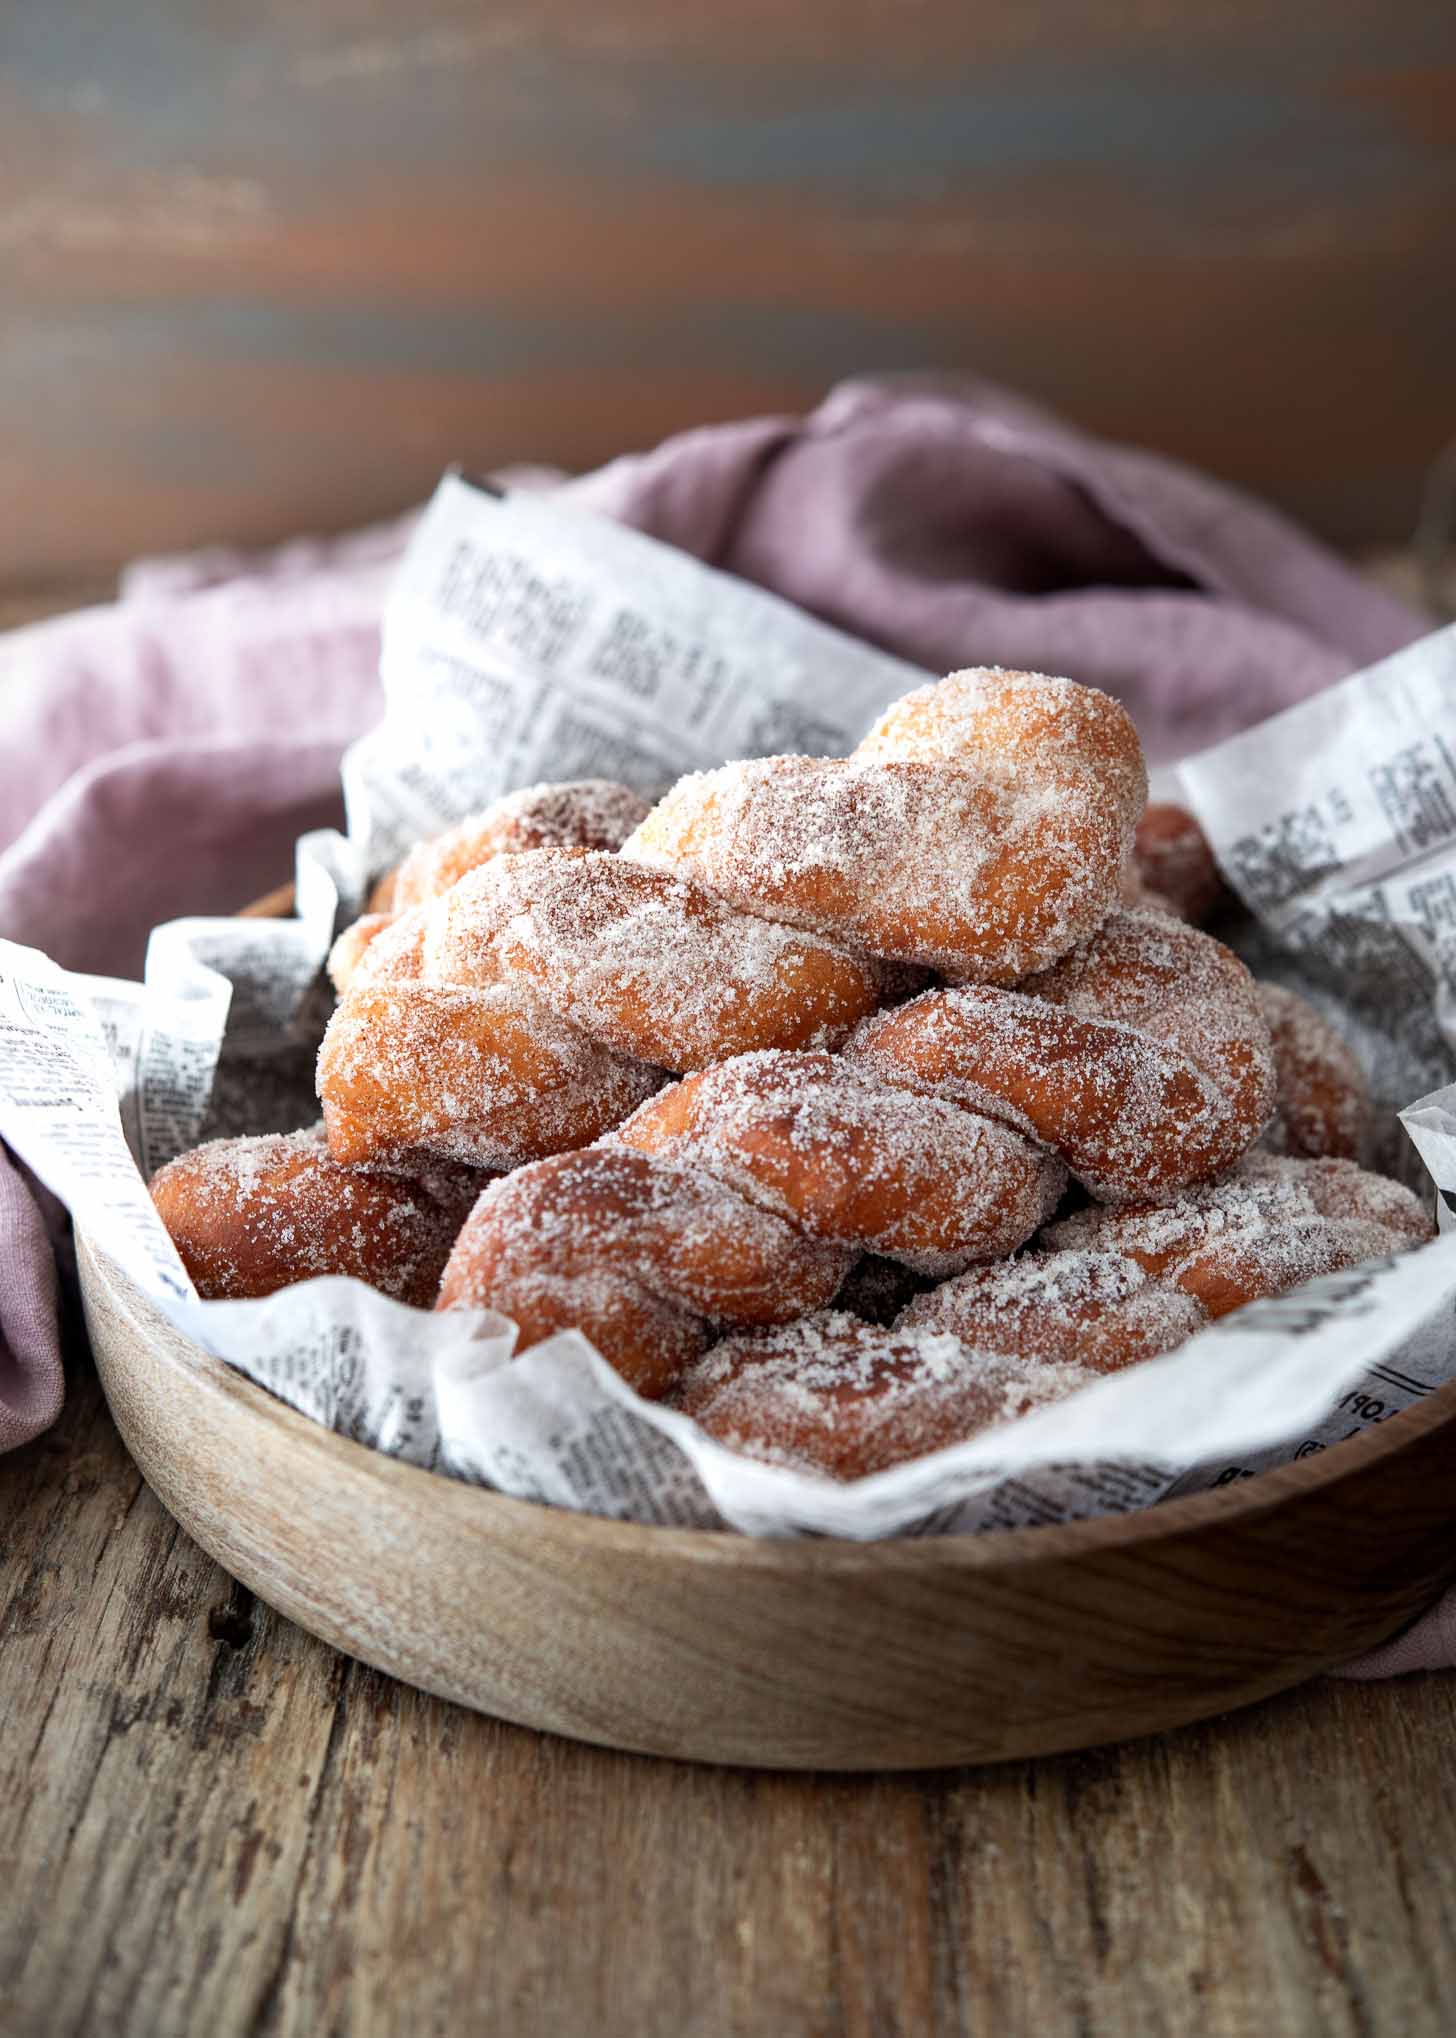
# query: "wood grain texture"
{"points": [[270, 268], [275, 905], [729, 1649], [211, 1822]]}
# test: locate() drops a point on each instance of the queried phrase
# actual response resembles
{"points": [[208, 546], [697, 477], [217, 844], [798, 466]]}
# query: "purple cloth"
{"points": [[159, 756], [30, 1340], [964, 527]]}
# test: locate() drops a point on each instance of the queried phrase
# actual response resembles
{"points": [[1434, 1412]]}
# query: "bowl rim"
{"points": [[1241, 1499]]}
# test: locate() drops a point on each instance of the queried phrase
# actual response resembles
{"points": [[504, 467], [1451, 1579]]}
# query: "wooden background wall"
{"points": [[268, 264]]}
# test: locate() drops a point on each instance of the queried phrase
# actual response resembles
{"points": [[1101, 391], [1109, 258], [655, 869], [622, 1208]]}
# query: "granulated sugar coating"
{"points": [[489, 1077], [645, 962], [845, 1398], [587, 813], [1142, 1058], [1098, 1309], [625, 1248], [1323, 1106], [250, 1216], [851, 1157], [379, 948], [352, 946], [1012, 728], [979, 830], [1273, 1223]]}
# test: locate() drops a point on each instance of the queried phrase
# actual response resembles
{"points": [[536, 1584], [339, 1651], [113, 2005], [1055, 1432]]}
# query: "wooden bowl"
{"points": [[790, 1655]]}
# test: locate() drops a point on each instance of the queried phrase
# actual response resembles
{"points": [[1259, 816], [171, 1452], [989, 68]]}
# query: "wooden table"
{"points": [[211, 1823]]}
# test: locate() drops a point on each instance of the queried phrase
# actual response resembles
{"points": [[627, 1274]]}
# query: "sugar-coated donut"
{"points": [[644, 962], [489, 1077], [641, 1256], [1142, 1058], [1090, 1308], [589, 813], [979, 830], [1015, 728], [250, 1216], [1271, 1224], [351, 947], [379, 948], [1323, 1105], [848, 1156], [1116, 1286], [844, 1398], [1172, 861]]}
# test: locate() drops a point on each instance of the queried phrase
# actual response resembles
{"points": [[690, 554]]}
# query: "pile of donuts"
{"points": [[850, 1105]]}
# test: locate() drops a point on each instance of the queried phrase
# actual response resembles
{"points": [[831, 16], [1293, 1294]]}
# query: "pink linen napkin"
{"points": [[30, 1338], [161, 754]]}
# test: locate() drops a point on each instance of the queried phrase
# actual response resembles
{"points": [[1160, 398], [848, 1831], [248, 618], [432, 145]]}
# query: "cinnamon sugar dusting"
{"points": [[915, 862], [378, 950], [980, 829], [810, 1250], [1098, 1309]]}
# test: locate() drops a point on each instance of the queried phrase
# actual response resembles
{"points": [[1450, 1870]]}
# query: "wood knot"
{"points": [[231, 1624]]}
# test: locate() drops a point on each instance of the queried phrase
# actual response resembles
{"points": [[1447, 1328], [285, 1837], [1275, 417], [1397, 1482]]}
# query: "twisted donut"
{"points": [[1142, 1058], [584, 813], [1273, 1223], [646, 963], [851, 1157], [798, 1143], [1323, 1104], [1098, 1309], [1115, 1286], [980, 829], [250, 1216], [1172, 865], [489, 1077], [1041, 793], [836, 1395], [581, 814], [843, 1398], [851, 1152], [641, 1256]]}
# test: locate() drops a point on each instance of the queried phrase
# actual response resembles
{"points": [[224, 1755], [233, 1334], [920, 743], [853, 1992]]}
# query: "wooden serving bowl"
{"points": [[792, 1655], [817, 1654]]}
